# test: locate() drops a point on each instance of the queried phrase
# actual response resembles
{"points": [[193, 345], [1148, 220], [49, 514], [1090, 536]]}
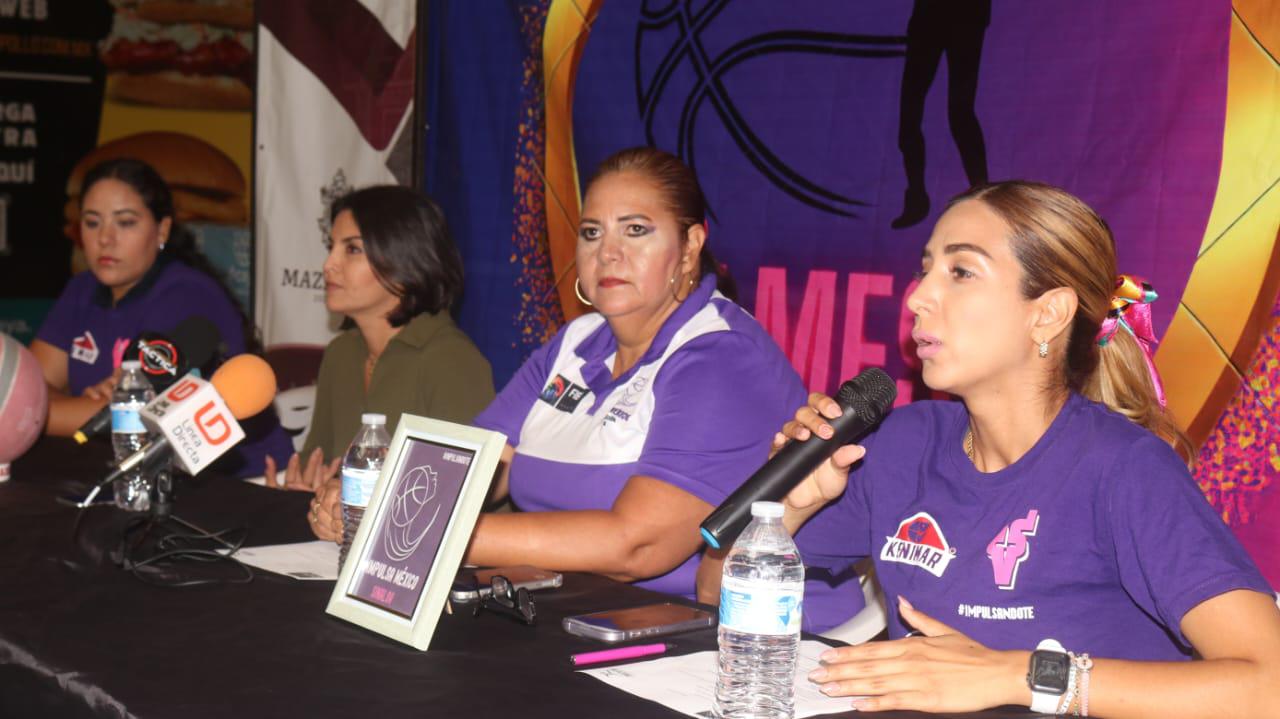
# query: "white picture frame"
{"points": [[406, 553]]}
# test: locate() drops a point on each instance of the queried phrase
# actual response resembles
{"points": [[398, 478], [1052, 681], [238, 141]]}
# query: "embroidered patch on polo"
{"points": [[84, 348], [563, 394]]}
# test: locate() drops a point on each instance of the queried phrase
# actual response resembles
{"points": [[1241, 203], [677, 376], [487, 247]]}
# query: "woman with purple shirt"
{"points": [[628, 427], [1046, 510], [145, 275], [634, 421]]}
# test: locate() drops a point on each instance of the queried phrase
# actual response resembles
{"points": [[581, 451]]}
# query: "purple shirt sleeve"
{"points": [[507, 412], [1172, 550], [718, 403]]}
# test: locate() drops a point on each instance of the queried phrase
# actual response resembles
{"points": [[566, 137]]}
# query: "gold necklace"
{"points": [[968, 446]]}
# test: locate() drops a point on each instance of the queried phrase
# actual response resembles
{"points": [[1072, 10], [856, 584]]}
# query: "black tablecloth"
{"points": [[81, 637]]}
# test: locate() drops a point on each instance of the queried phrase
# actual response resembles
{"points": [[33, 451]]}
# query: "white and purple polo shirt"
{"points": [[697, 411]]}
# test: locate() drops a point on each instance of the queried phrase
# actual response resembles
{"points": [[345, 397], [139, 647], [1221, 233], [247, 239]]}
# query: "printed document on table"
{"points": [[305, 560], [687, 684]]}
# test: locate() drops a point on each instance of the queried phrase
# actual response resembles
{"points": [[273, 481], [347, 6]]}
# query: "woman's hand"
{"points": [[829, 479], [325, 513], [943, 670], [102, 391], [299, 478]]}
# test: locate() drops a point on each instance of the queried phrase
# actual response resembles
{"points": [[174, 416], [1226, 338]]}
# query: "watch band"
{"points": [[1045, 702]]}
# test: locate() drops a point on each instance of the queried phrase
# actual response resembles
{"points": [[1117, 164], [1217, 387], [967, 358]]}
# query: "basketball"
{"points": [[24, 401]]}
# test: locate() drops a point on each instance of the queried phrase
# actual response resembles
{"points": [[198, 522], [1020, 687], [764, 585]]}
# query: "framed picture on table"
{"points": [[404, 557]]}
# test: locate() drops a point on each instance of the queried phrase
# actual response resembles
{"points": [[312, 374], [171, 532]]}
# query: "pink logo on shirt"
{"points": [[1011, 548], [117, 351]]}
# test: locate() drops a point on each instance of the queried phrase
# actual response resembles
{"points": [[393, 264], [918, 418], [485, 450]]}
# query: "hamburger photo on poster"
{"points": [[207, 186], [192, 54]]}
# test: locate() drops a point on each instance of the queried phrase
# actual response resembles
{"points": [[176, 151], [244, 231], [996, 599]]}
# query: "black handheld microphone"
{"points": [[164, 359], [864, 400]]}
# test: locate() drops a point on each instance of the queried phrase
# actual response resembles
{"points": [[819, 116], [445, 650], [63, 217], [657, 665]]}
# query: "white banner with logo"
{"points": [[326, 123]]}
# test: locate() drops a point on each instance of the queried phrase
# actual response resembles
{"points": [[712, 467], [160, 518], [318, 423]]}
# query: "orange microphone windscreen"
{"points": [[246, 383]]}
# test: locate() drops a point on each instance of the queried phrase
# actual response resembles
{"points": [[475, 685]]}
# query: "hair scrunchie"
{"points": [[1131, 309]]}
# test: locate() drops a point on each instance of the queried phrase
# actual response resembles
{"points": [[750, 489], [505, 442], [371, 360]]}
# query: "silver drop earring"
{"points": [[1044, 349]]}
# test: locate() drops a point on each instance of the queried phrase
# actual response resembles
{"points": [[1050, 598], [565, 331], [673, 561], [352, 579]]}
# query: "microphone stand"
{"points": [[162, 499], [178, 540]]}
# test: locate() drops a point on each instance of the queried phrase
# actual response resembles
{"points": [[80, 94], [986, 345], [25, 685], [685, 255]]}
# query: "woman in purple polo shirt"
{"points": [[1046, 510], [633, 422], [145, 275]]}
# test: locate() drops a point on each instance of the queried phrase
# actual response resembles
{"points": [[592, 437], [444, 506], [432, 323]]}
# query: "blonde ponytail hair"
{"points": [[1060, 242]]}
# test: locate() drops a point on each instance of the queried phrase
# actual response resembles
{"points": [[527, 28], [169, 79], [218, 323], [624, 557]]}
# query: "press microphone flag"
{"points": [[864, 401], [164, 359], [195, 421]]}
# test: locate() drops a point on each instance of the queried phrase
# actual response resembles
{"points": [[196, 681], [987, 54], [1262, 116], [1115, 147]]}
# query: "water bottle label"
{"points": [[755, 607], [126, 419], [357, 486]]}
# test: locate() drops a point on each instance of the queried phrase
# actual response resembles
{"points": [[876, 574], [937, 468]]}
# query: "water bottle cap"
{"points": [[769, 510], [373, 418], [131, 365]]}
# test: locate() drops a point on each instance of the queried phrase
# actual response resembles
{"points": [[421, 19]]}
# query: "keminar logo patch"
{"points": [[919, 542]]}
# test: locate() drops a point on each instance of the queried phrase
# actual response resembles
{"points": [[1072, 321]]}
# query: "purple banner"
{"points": [[403, 545], [828, 137]]}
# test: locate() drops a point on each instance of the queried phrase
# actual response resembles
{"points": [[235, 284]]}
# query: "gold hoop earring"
{"points": [[1044, 348], [577, 290], [674, 294]]}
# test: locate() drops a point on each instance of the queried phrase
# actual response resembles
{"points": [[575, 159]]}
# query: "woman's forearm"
{"points": [[1201, 689], [581, 541], [651, 529], [67, 414]]}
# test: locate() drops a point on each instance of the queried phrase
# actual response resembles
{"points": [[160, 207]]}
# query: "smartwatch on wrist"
{"points": [[1048, 676]]}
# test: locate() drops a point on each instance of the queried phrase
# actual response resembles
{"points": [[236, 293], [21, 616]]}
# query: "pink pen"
{"points": [[613, 655]]}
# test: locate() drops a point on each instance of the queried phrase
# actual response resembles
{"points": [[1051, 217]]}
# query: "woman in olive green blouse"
{"points": [[393, 271]]}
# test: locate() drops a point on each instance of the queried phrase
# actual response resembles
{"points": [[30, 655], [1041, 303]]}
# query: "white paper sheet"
{"points": [[305, 560], [687, 683]]}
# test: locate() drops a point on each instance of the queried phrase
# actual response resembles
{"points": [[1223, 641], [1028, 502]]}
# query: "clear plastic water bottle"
{"points": [[761, 597], [360, 469], [128, 435]]}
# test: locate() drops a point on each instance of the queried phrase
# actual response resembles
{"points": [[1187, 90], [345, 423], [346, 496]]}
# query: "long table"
{"points": [[80, 637]]}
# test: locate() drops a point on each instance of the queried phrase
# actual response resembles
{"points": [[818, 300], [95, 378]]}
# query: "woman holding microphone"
{"points": [[1045, 544]]}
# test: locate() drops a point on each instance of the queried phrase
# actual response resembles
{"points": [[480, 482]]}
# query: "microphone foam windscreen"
{"points": [[246, 383], [198, 338], [871, 393]]}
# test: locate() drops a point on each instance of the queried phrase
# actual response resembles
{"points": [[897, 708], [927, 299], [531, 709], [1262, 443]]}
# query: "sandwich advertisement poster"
{"points": [[169, 82]]}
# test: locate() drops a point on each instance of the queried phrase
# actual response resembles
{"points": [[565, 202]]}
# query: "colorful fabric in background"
{"points": [[828, 137], [538, 315], [482, 163], [1239, 465]]}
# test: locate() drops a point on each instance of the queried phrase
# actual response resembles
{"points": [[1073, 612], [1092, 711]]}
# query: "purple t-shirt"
{"points": [[697, 411], [1097, 537], [93, 332]]}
